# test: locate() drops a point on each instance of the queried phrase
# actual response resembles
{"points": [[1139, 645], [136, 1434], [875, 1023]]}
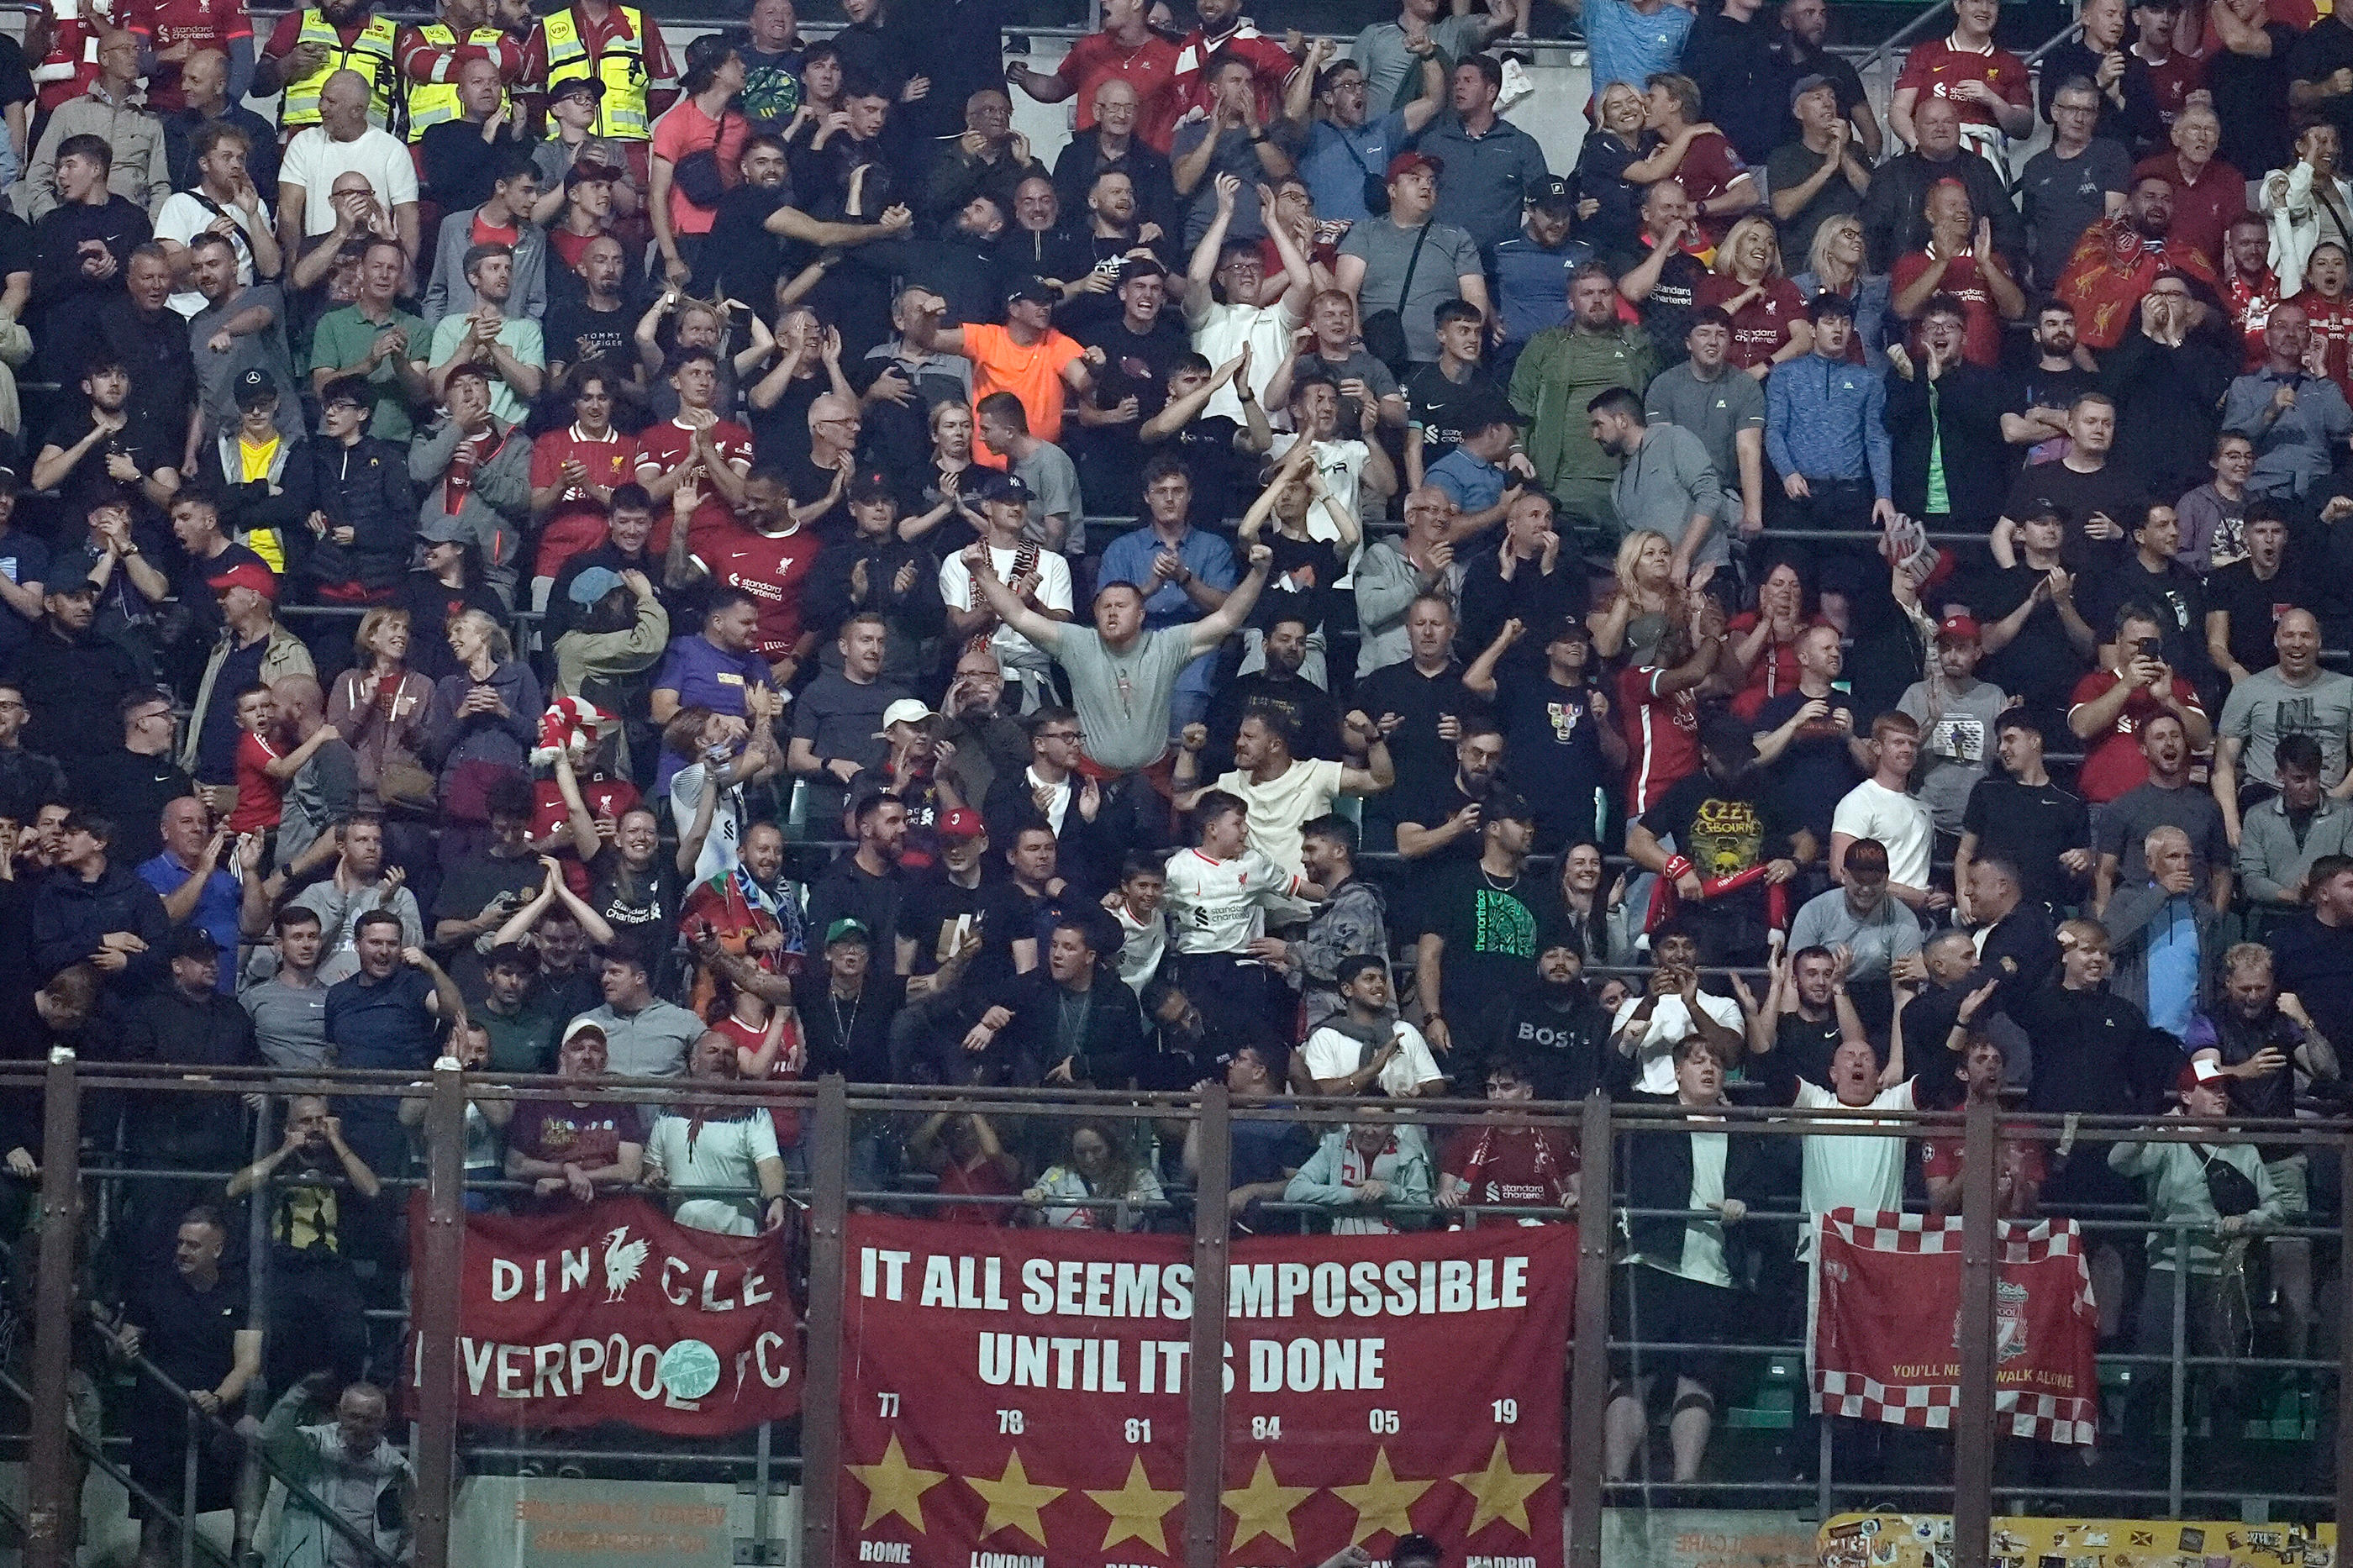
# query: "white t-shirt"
{"points": [[1143, 944], [183, 218], [1219, 335], [1341, 464], [723, 847], [1058, 805], [313, 162], [1671, 1023], [1220, 905], [717, 1154], [1054, 593], [1843, 1171], [1331, 1053], [1901, 822], [1280, 807]]}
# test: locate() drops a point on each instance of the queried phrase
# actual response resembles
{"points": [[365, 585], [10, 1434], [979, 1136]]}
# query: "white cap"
{"points": [[906, 711]]}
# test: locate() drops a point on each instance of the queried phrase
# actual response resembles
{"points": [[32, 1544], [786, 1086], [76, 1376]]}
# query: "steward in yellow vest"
{"points": [[338, 35]]}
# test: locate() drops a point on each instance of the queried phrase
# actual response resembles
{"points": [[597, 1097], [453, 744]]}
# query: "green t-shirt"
{"points": [[524, 1042], [343, 338]]}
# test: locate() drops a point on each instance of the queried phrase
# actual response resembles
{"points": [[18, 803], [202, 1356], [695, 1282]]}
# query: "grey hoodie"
{"points": [[498, 501]]}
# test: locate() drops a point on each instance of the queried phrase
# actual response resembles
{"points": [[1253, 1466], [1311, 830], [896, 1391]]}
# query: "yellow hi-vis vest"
{"points": [[371, 55], [621, 113], [431, 102]]}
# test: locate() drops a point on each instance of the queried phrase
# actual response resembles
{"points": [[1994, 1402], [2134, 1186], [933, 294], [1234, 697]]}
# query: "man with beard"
{"points": [[1552, 1035], [1870, 930], [1649, 1029], [1555, 725], [2041, 396], [1282, 790], [1444, 824], [1734, 844], [2115, 262], [1352, 919], [867, 884], [2168, 799], [1481, 920], [724, 1143], [1141, 347], [1308, 708], [1367, 1049], [569, 1149], [359, 885], [767, 555], [1807, 1012], [749, 908], [592, 321]]}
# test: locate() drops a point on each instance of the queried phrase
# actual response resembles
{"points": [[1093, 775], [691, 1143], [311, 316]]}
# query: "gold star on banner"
{"points": [[1383, 1502], [896, 1486], [1014, 1499], [1263, 1508], [1501, 1492], [1136, 1509]]}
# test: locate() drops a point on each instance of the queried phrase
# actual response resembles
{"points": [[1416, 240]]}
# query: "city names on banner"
{"points": [[614, 1312], [1018, 1399]]}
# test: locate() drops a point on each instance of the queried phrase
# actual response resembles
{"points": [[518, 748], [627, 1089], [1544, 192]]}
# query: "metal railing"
{"points": [[833, 1112]]}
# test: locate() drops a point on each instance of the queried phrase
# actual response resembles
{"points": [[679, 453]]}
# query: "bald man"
{"points": [[344, 141], [324, 791], [192, 877], [2294, 697]]}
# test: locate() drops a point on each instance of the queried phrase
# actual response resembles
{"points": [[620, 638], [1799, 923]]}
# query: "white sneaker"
{"points": [[1517, 85]]}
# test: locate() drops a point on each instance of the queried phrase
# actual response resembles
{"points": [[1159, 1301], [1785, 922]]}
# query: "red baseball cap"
{"points": [[1957, 628], [246, 574], [1404, 161], [2197, 1073], [962, 823]]}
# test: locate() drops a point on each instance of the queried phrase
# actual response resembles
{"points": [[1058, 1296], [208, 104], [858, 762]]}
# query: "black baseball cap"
{"points": [[255, 388]]}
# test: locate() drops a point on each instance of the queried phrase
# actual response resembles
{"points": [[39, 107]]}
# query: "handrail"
{"points": [[336, 1522], [2053, 42], [1902, 35], [122, 1477]]}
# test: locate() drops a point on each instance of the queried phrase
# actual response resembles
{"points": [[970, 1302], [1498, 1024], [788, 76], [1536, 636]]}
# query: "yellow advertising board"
{"points": [[1925, 1541]]}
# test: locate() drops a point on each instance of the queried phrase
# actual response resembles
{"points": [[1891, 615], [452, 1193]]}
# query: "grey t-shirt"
{"points": [[1358, 366], [1891, 932], [290, 1022], [2062, 198], [216, 375], [1053, 481], [1953, 749], [839, 718], [1448, 256], [2263, 707], [1234, 156], [2128, 820], [1715, 411], [1124, 698]]}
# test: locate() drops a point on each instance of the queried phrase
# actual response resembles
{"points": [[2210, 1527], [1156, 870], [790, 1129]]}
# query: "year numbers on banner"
{"points": [[890, 1403], [1507, 1412], [1010, 1423], [1266, 1428], [1384, 1422], [1139, 1429]]}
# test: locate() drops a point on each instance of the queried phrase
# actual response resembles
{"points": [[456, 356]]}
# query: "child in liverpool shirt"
{"points": [[264, 764]]}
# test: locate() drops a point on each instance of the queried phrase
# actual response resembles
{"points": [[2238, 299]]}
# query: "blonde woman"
{"points": [[1607, 214], [1768, 321], [485, 719], [1834, 266], [1646, 601]]}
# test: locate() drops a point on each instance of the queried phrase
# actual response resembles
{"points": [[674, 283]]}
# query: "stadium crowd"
{"points": [[744, 568]]}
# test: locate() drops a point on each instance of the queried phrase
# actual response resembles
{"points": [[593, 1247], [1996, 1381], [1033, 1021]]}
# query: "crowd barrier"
{"points": [[804, 1461]]}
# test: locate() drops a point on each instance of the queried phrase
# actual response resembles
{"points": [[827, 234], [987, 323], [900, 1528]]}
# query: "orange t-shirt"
{"points": [[1032, 374]]}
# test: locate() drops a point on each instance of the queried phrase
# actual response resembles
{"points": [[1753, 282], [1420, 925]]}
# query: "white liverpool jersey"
{"points": [[1219, 905]]}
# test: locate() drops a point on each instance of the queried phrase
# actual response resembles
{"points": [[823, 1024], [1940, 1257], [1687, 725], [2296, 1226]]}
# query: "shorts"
{"points": [[1654, 1306]]}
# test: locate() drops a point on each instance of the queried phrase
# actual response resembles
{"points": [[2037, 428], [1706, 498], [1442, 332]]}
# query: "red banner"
{"points": [[1885, 1306], [613, 1312], [1019, 1397]]}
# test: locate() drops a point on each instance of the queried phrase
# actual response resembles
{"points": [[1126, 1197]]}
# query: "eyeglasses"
{"points": [[1042, 734]]}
